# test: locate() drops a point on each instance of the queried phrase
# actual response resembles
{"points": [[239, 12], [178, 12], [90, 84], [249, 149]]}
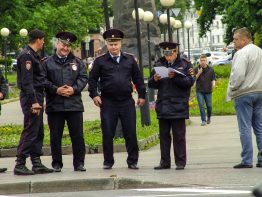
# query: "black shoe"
{"points": [[180, 167], [107, 167], [22, 170], [133, 167], [57, 168], [3, 169], [243, 166], [161, 167], [41, 169], [259, 165], [80, 168]]}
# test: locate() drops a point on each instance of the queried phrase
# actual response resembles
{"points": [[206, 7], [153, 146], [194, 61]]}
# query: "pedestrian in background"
{"points": [[245, 88], [3, 91], [172, 106], [205, 83], [65, 78], [116, 71], [30, 80]]}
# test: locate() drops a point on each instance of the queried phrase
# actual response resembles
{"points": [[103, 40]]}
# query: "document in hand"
{"points": [[163, 71], [176, 71]]}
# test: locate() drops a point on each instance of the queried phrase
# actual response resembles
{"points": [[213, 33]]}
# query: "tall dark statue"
{"points": [[123, 20]]}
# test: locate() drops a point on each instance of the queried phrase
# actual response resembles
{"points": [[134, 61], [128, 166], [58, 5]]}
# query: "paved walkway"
{"points": [[212, 151]]}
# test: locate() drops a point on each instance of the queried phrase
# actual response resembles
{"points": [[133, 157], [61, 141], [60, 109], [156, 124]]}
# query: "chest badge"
{"points": [[28, 65], [74, 67]]}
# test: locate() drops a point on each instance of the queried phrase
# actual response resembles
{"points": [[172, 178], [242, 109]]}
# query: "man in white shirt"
{"points": [[245, 88]]}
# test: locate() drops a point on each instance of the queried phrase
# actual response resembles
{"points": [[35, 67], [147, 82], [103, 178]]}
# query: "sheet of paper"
{"points": [[162, 71], [176, 71]]}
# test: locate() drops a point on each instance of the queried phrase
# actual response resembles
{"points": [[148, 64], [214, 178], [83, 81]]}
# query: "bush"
{"points": [[222, 71]]}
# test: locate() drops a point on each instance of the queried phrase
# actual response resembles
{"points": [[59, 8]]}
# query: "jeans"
{"points": [[249, 110], [203, 98]]}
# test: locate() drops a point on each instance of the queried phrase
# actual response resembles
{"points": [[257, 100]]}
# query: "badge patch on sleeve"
{"points": [[28, 65]]}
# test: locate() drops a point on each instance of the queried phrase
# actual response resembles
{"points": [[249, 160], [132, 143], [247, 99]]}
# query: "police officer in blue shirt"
{"points": [[172, 103], [65, 78], [30, 80], [116, 71]]}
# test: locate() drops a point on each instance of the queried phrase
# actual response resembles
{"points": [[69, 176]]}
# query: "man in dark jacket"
{"points": [[116, 71], [30, 82], [3, 90], [173, 84], [65, 78]]}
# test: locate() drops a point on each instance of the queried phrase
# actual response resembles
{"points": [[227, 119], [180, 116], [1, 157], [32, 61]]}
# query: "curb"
{"points": [[77, 185]]}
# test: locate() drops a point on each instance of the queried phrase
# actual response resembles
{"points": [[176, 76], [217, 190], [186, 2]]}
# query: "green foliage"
{"points": [[222, 71], [51, 17], [236, 14], [219, 104], [10, 134]]}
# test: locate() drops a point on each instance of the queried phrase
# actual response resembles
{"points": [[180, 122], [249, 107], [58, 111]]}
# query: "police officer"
{"points": [[172, 103], [65, 78], [3, 91], [30, 82], [116, 71]]}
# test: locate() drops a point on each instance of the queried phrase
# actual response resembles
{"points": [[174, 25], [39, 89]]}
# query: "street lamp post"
{"points": [[168, 4], [177, 26], [148, 17], [163, 21], [139, 13], [5, 33], [188, 25], [23, 33]]}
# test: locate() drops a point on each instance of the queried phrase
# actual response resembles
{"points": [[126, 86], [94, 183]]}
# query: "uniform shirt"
{"points": [[3, 86], [173, 94], [116, 78], [58, 72], [30, 76], [204, 81]]}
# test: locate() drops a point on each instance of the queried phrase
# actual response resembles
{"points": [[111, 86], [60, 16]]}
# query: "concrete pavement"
{"points": [[212, 151]]}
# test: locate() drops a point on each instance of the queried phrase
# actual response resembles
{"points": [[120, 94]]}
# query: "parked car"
{"points": [[213, 56], [14, 65], [224, 61]]}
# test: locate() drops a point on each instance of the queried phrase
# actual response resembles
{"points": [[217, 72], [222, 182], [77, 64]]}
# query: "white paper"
{"points": [[161, 71], [176, 71]]}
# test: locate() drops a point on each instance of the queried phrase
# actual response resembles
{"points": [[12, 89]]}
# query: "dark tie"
{"points": [[169, 64], [115, 58], [62, 59]]}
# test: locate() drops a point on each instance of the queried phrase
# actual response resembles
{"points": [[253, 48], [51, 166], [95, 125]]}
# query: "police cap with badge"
{"points": [[112, 35], [168, 47], [66, 37]]}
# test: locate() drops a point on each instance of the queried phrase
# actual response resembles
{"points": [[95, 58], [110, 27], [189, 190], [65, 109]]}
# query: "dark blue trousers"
{"points": [[111, 110], [32, 136], [178, 128], [56, 123]]}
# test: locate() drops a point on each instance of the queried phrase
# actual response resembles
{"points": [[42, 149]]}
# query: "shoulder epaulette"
{"points": [[103, 54], [131, 54]]}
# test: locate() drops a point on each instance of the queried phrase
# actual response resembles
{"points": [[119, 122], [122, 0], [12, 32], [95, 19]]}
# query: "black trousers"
{"points": [[178, 127], [32, 136], [56, 122], [111, 110]]}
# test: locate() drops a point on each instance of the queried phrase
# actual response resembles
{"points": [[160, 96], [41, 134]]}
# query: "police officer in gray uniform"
{"points": [[116, 71], [65, 78]]}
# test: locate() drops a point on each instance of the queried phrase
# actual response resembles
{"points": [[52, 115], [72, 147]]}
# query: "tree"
{"points": [[236, 14], [50, 16]]}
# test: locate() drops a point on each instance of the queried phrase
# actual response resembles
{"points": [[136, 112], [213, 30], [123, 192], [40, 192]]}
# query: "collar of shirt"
{"points": [[118, 57]]}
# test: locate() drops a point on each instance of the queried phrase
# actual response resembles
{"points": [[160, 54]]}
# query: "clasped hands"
{"points": [[65, 90]]}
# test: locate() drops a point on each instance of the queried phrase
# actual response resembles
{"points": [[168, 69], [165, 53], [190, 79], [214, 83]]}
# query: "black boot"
{"points": [[20, 168], [38, 167], [3, 169]]}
